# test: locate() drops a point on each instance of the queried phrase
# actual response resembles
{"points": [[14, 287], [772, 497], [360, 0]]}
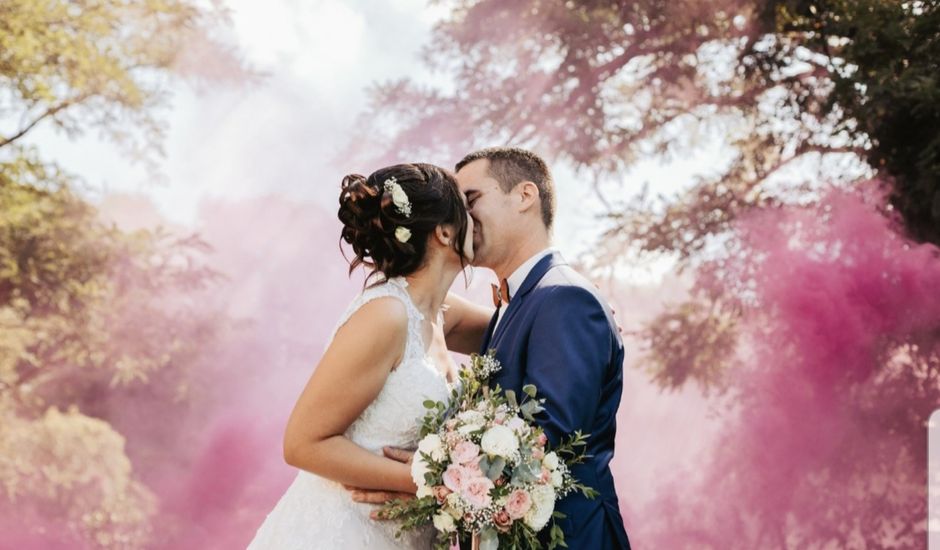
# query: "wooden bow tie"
{"points": [[501, 293]]}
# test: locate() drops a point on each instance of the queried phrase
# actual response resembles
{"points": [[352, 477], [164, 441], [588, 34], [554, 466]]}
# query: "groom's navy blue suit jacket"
{"points": [[558, 334]]}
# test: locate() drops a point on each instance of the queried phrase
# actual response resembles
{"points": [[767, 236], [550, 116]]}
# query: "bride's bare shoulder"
{"points": [[382, 320]]}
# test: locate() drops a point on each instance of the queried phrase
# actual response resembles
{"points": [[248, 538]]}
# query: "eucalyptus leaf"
{"points": [[494, 469], [529, 408], [489, 540], [526, 472]]}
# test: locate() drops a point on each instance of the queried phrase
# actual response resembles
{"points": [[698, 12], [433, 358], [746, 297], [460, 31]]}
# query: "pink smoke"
{"points": [[827, 444]]}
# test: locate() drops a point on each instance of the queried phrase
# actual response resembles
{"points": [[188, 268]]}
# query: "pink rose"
{"points": [[543, 439], [440, 492], [546, 475], [538, 453], [455, 476], [477, 492], [502, 521], [464, 452], [518, 504], [473, 468]]}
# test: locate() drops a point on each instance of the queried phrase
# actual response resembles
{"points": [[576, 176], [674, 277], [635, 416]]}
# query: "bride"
{"points": [[409, 223]]}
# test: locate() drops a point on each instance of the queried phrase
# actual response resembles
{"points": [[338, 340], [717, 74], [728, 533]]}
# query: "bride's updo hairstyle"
{"points": [[388, 216]]}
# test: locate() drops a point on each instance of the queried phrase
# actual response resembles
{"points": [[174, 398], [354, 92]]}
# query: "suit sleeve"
{"points": [[568, 356]]}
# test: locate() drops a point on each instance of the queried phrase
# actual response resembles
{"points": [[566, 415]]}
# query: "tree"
{"points": [[103, 66], [882, 58], [604, 84], [66, 476], [88, 311]]}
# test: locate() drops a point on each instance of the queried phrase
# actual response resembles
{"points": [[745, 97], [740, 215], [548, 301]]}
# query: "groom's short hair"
{"points": [[512, 165]]}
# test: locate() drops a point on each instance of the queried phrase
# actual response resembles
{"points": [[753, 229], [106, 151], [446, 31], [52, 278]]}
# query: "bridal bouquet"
{"points": [[484, 470]]}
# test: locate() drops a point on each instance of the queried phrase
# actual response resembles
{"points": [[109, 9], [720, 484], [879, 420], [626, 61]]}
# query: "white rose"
{"points": [[399, 197], [557, 478], [468, 429], [550, 461], [444, 523], [518, 425], [543, 504], [424, 491], [499, 441], [433, 446], [471, 417], [403, 234], [471, 420], [418, 469]]}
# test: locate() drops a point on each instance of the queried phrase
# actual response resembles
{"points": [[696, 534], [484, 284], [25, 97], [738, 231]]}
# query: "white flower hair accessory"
{"points": [[402, 234], [399, 197]]}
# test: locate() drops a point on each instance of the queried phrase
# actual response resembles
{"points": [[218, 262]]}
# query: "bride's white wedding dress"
{"points": [[319, 513]]}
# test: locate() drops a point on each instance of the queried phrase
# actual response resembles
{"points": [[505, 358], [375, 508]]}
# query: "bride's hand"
{"points": [[367, 496]]}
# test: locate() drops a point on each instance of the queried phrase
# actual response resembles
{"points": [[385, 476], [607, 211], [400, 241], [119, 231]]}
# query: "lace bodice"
{"points": [[316, 512], [392, 418]]}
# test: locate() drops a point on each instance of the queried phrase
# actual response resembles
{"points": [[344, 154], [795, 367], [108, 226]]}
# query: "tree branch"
{"points": [[51, 111]]}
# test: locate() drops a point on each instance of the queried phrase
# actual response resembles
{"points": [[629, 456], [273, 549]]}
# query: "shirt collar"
{"points": [[518, 276]]}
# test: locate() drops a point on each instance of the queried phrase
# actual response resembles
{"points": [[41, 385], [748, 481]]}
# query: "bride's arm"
{"points": [[465, 324], [349, 376]]}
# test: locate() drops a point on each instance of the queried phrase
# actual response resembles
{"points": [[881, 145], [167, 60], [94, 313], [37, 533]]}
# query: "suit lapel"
{"points": [[534, 276], [488, 337]]}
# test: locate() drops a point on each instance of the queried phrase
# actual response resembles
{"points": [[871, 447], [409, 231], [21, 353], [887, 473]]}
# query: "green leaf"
{"points": [[495, 468], [530, 390], [489, 539], [526, 472]]}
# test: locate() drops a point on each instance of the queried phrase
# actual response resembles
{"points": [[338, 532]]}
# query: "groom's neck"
{"points": [[526, 248]]}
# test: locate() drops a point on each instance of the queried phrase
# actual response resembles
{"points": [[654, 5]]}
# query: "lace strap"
{"points": [[393, 287]]}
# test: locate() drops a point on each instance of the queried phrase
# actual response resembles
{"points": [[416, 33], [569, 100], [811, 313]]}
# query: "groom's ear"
{"points": [[528, 194]]}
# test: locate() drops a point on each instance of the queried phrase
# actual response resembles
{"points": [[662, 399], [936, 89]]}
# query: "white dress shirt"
{"points": [[518, 276]]}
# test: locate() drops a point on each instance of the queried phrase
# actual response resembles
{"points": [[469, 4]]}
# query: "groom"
{"points": [[550, 329]]}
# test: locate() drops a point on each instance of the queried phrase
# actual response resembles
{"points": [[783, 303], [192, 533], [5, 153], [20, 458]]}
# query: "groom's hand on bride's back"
{"points": [[401, 455], [613, 312], [372, 496]]}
